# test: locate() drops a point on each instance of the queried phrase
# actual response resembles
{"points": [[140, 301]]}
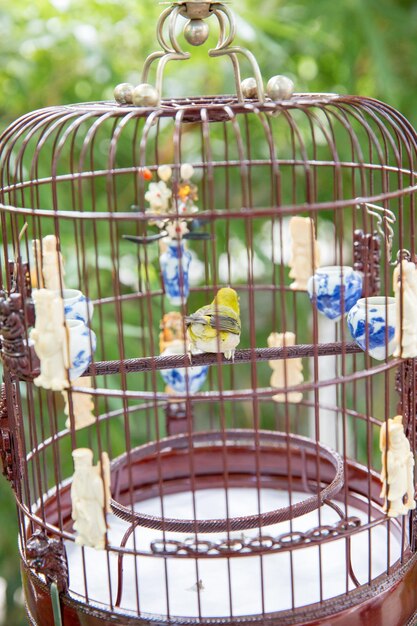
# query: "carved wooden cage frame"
{"points": [[78, 172]]}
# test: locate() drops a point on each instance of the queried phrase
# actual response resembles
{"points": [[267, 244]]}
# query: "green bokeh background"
{"points": [[63, 51]]}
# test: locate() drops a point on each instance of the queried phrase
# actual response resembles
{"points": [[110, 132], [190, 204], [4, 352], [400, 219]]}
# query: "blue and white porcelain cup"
{"points": [[371, 323], [77, 306], [176, 378], [327, 285], [82, 345], [175, 265]]}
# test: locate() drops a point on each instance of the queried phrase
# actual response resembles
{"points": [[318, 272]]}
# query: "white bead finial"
{"points": [[196, 32], [280, 88], [123, 93], [249, 88], [145, 95]]}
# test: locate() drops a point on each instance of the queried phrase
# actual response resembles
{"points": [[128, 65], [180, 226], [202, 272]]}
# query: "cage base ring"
{"points": [[244, 457]]}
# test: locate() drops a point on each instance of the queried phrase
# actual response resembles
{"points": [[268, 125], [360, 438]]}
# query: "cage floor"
{"points": [[247, 585]]}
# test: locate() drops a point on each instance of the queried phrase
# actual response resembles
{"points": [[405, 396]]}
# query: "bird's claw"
{"points": [[189, 354]]}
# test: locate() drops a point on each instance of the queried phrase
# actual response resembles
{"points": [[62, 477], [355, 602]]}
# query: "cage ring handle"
{"points": [[161, 67], [223, 42], [160, 30], [385, 218], [224, 48], [171, 30], [172, 51], [402, 255]]}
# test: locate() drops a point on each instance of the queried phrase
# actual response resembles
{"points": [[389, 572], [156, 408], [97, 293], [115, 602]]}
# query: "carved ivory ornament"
{"points": [[305, 254], [50, 340], [405, 290], [285, 372], [90, 497], [397, 473], [52, 264], [82, 405]]}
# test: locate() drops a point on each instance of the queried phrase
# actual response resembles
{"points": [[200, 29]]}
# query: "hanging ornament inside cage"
{"points": [[171, 206]]}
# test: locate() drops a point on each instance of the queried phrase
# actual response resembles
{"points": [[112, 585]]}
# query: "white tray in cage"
{"points": [[244, 585]]}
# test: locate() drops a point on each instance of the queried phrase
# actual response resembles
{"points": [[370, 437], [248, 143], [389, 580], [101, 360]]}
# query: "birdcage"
{"points": [[208, 340]]}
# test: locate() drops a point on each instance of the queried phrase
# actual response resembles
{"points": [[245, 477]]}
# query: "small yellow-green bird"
{"points": [[216, 326]]}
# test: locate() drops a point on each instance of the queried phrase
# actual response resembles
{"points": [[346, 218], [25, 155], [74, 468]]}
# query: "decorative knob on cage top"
{"points": [[196, 32]]}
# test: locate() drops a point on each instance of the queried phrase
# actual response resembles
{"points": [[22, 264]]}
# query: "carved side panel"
{"points": [[367, 259], [12, 329], [10, 452], [48, 557], [5, 437], [16, 314]]}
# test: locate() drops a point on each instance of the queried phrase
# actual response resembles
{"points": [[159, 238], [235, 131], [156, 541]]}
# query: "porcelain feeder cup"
{"points": [[181, 379], [334, 290], [82, 345], [372, 325], [77, 306]]}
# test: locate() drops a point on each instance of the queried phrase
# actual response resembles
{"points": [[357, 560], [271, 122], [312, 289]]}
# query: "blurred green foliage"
{"points": [[63, 51]]}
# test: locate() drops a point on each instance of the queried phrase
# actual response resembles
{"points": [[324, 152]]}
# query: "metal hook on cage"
{"points": [[16, 251], [19, 238], [385, 219], [402, 255]]}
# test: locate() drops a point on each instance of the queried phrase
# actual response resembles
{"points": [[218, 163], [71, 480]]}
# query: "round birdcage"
{"points": [[159, 475]]}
